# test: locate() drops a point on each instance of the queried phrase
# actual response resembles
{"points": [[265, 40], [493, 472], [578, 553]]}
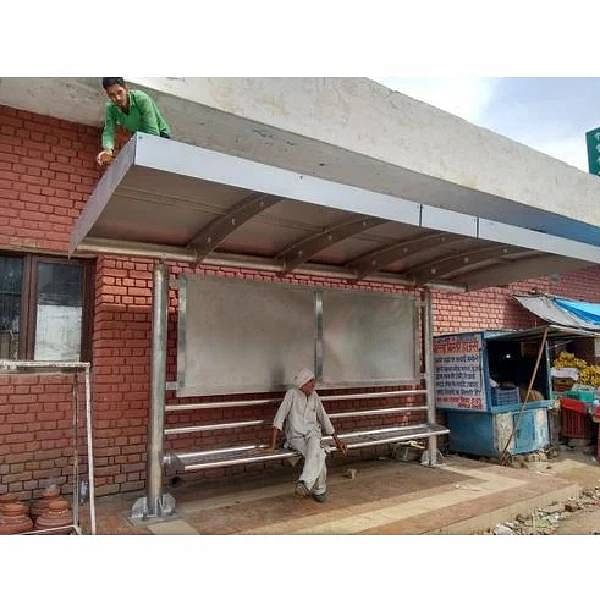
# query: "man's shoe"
{"points": [[320, 497], [301, 489]]}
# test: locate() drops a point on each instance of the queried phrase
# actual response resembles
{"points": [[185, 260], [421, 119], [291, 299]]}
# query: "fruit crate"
{"points": [[575, 421], [562, 385], [587, 396]]}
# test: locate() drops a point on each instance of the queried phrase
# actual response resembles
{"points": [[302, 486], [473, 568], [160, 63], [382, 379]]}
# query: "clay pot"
{"points": [[8, 499], [57, 514], [48, 495], [14, 519]]}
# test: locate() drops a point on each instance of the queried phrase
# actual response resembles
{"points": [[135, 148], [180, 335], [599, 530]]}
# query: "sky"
{"points": [[550, 114]]}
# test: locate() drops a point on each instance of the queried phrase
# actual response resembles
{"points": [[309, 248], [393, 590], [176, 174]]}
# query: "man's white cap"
{"points": [[303, 376]]}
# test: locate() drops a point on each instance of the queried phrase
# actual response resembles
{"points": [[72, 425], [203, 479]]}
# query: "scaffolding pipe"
{"points": [[429, 371], [158, 378]]}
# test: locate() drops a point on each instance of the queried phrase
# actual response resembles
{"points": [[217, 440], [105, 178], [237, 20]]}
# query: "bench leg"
{"points": [[432, 447]]}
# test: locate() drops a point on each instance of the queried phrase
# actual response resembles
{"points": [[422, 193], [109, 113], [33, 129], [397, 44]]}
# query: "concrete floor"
{"points": [[387, 497]]}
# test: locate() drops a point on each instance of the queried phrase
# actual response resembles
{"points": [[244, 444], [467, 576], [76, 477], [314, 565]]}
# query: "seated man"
{"points": [[133, 110], [305, 418]]}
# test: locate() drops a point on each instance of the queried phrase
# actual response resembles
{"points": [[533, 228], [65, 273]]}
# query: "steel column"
{"points": [[319, 349], [90, 448], [156, 504], [156, 418], [429, 371]]}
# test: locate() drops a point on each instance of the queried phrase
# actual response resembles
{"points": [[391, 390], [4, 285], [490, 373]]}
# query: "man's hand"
{"points": [[340, 446], [104, 157], [273, 441]]}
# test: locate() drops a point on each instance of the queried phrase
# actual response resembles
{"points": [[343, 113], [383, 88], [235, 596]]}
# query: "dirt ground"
{"points": [[574, 516]]}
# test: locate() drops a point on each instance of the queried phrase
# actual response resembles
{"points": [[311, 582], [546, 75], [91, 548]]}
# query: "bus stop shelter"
{"points": [[172, 201]]}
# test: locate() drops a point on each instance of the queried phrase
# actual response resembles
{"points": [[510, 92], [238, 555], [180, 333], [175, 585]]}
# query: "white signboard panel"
{"points": [[458, 372]]}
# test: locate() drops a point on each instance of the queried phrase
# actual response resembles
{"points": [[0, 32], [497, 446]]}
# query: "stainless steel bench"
{"points": [[241, 455]]}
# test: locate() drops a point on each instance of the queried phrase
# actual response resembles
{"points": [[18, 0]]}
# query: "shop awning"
{"points": [[162, 198], [583, 317]]}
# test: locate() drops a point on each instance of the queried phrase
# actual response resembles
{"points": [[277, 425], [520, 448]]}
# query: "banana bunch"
{"points": [[590, 375], [567, 360]]}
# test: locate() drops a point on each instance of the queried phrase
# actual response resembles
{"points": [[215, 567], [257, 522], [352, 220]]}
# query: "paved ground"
{"points": [[387, 497]]}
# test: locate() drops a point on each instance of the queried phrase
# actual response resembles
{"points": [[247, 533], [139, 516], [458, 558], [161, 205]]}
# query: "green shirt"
{"points": [[143, 116]]}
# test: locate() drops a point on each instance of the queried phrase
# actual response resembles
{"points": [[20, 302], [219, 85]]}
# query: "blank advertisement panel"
{"points": [[240, 336], [367, 339]]}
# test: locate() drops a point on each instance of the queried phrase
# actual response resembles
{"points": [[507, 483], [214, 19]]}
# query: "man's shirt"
{"points": [[143, 116], [302, 415]]}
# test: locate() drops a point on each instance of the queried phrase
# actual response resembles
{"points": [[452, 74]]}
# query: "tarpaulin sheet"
{"points": [[587, 311], [549, 309]]}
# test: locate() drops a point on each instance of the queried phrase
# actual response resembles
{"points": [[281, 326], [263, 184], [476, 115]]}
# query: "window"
{"points": [[44, 308], [11, 283]]}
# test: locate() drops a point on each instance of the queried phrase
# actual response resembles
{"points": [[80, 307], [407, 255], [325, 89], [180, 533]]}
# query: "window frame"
{"points": [[28, 317]]}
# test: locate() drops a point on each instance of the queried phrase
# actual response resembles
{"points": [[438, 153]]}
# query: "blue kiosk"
{"points": [[481, 379]]}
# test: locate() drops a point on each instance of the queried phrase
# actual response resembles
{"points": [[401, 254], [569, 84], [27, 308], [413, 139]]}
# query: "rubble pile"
{"points": [[545, 521]]}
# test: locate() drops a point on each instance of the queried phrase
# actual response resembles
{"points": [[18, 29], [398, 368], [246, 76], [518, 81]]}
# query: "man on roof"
{"points": [[305, 419], [133, 110]]}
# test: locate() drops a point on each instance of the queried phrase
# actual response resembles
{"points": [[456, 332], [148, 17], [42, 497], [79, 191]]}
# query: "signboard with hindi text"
{"points": [[459, 378]]}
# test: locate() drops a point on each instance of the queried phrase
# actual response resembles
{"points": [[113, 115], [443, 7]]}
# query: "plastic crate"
{"points": [[574, 423], [586, 396], [562, 385], [502, 397]]}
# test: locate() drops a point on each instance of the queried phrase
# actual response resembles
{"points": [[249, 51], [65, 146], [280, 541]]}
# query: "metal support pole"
{"points": [[90, 448], [75, 406], [156, 504], [319, 350], [429, 371], [156, 419]]}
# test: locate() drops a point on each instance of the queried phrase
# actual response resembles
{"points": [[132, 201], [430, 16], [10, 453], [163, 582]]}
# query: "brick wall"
{"points": [[494, 308], [47, 172], [36, 433]]}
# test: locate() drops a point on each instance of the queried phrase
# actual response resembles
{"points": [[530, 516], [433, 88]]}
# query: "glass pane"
{"points": [[11, 279], [59, 312]]}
